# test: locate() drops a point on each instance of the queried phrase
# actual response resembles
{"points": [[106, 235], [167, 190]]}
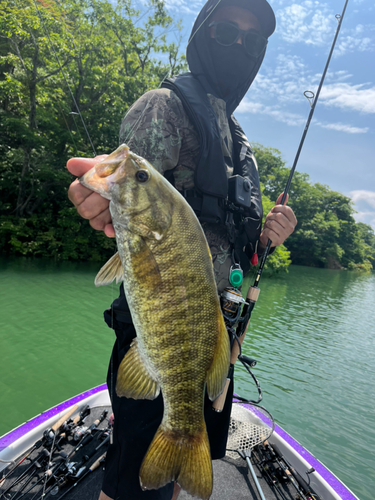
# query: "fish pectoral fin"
{"points": [[218, 372], [111, 270], [133, 379], [175, 457]]}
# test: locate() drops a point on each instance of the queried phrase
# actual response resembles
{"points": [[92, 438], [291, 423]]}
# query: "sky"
{"points": [[339, 149]]}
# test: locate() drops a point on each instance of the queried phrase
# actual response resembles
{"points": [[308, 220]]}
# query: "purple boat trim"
{"points": [[332, 480], [326, 474], [23, 429]]}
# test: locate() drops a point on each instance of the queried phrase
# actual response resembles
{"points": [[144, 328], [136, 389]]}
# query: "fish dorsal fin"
{"points": [[218, 371], [133, 378], [111, 270]]}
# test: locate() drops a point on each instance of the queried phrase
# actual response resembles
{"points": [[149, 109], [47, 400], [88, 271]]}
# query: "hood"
{"points": [[198, 55]]}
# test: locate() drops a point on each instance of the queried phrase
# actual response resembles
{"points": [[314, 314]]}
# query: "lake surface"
{"points": [[312, 333]]}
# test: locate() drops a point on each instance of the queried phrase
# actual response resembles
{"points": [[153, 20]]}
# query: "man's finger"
{"points": [[101, 221], [287, 212], [280, 197], [273, 225], [109, 231], [79, 166], [93, 206], [77, 193]]}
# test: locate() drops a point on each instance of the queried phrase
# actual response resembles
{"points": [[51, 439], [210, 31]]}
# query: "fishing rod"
{"points": [[247, 310], [88, 436], [254, 290], [268, 455], [79, 471], [93, 467], [48, 439], [54, 467], [75, 471], [37, 445]]}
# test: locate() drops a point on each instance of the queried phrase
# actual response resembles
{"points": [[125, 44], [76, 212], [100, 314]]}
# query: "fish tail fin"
{"points": [[172, 457]]}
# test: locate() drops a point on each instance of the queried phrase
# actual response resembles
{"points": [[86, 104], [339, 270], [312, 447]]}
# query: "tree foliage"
{"points": [[58, 58], [327, 234]]}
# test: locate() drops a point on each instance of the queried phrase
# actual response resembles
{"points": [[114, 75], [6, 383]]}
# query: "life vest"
{"points": [[209, 199]]}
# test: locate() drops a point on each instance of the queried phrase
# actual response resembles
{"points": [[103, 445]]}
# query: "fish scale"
{"points": [[182, 346]]}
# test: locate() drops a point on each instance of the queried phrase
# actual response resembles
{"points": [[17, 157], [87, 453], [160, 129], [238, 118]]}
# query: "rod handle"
{"points": [[76, 419], [219, 402], [96, 464], [62, 419], [253, 293]]}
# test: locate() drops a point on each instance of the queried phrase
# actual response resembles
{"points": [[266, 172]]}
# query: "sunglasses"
{"points": [[228, 34]]}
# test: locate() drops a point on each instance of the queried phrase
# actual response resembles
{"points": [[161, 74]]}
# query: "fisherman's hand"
{"points": [[279, 224], [89, 205]]}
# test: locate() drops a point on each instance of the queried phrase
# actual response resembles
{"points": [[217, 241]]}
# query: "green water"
{"points": [[311, 332]]}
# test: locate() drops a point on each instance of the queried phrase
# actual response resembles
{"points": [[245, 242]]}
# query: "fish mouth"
{"points": [[99, 179], [111, 163]]}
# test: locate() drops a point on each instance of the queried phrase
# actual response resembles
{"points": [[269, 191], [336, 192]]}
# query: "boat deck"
{"points": [[232, 478]]}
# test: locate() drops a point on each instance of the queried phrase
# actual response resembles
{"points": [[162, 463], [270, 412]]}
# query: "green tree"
{"points": [[326, 234], [110, 55]]}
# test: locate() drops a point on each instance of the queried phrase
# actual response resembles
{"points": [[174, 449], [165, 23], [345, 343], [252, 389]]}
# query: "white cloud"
{"points": [[364, 196], [350, 97], [286, 80], [275, 112], [289, 78], [309, 22], [184, 6], [366, 217], [292, 119], [342, 127], [337, 76], [365, 206], [313, 23], [357, 39]]}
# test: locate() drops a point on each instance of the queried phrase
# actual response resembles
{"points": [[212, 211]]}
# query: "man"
{"points": [[186, 130]]}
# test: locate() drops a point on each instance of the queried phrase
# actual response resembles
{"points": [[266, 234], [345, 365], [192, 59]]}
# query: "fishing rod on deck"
{"points": [[254, 290]]}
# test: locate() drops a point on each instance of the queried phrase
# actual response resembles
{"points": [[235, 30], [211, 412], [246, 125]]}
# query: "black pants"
{"points": [[136, 422]]}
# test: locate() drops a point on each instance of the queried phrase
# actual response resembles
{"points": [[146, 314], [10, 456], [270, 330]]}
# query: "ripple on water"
{"points": [[311, 333], [315, 349]]}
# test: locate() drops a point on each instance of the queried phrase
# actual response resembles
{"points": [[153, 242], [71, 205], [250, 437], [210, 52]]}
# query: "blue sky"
{"points": [[340, 146]]}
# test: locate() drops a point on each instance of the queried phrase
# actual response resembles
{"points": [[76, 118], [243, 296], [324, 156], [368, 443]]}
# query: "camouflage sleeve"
{"points": [[153, 128]]}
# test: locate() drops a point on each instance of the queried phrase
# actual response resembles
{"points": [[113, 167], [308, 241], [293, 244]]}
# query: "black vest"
{"points": [[210, 179]]}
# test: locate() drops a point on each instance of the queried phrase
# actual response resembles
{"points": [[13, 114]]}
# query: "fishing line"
{"points": [[62, 72], [49, 461], [92, 146], [253, 291], [67, 126], [202, 23], [310, 96]]}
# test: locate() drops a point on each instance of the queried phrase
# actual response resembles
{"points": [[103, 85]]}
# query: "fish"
{"points": [[182, 345]]}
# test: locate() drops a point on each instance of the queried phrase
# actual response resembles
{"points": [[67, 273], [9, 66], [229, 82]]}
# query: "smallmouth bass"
{"points": [[182, 345]]}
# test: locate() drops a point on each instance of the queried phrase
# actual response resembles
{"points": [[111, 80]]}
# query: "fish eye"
{"points": [[142, 176]]}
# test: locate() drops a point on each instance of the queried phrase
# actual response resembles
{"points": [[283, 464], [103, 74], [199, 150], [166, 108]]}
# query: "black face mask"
{"points": [[233, 67]]}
